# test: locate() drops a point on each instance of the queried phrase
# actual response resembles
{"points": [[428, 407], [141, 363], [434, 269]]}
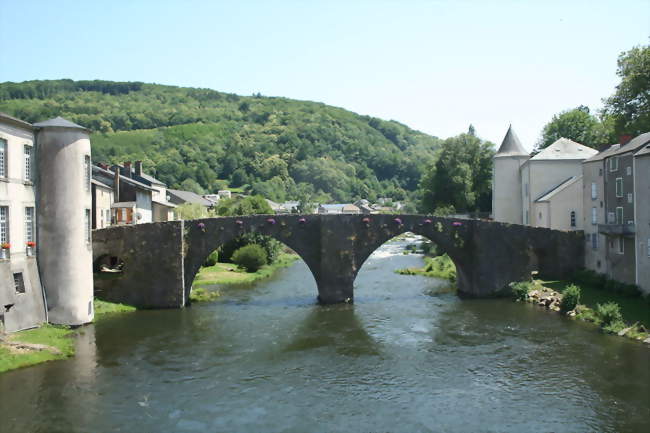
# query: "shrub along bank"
{"points": [[567, 300]]}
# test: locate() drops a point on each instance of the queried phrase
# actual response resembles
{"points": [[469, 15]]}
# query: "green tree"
{"points": [[577, 125], [192, 185], [629, 106], [461, 177]]}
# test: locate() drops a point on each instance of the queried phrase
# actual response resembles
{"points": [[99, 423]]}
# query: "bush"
{"points": [[212, 259], [520, 290], [614, 327], [609, 313], [250, 257], [570, 298]]}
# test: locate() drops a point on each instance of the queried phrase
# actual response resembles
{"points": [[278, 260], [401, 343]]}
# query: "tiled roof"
{"points": [[189, 197], [564, 148]]}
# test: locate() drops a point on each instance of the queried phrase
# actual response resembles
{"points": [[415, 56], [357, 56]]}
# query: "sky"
{"points": [[436, 66]]}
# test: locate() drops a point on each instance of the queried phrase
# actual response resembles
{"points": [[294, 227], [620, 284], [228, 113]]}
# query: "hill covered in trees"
{"points": [[205, 139]]}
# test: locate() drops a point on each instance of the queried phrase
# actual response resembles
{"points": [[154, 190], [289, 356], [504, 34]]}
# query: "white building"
{"points": [[542, 191]]}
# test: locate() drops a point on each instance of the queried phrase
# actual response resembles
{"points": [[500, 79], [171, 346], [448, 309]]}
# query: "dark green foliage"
{"points": [[277, 147], [212, 259], [600, 281], [577, 125], [461, 177], [250, 257], [629, 106], [570, 298], [520, 290], [429, 249], [609, 313]]}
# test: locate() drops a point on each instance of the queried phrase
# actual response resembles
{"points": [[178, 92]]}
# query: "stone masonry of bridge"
{"points": [[162, 259]]}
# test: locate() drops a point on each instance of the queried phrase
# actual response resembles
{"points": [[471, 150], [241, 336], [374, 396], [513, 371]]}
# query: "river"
{"points": [[403, 358]]}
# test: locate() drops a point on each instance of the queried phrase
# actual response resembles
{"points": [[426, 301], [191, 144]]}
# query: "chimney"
{"points": [[127, 169], [624, 139], [138, 168], [116, 184]]}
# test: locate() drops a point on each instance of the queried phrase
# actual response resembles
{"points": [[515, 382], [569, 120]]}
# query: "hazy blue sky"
{"points": [[434, 65]]}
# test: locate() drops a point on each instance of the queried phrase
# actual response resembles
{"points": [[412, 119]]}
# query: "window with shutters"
{"points": [[29, 224], [594, 215], [4, 224], [3, 158], [613, 163], [619, 187], [619, 215], [594, 191], [87, 169], [573, 218], [87, 218], [29, 165]]}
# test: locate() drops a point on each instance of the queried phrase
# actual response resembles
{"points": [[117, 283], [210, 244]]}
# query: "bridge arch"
{"points": [[203, 236]]}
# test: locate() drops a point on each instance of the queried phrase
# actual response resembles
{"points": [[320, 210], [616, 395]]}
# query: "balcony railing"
{"points": [[616, 229]]}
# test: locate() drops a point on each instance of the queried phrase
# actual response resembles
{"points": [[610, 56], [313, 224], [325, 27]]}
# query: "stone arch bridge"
{"points": [[161, 259]]}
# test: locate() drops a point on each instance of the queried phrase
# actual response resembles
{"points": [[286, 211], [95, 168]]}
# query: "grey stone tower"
{"points": [[64, 220]]}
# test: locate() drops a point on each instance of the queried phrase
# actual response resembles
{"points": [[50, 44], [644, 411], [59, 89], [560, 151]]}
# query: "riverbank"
{"points": [[601, 309], [229, 273], [48, 342]]}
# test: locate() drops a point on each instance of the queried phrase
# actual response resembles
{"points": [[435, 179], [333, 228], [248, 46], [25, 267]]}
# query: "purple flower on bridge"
{"points": [[201, 226], [427, 221], [398, 221], [365, 220], [271, 221], [239, 223], [457, 224], [302, 220]]}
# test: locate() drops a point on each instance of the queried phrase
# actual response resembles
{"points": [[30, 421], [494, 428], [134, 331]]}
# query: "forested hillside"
{"points": [[279, 147]]}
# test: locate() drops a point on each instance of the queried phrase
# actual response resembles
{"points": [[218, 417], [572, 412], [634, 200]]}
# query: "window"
{"points": [[594, 241], [619, 215], [621, 245], [526, 189], [4, 224], [648, 244], [613, 163], [611, 217], [87, 225], [594, 215], [619, 187], [526, 217], [87, 171], [29, 224], [600, 172], [629, 197], [573, 218], [19, 283], [3, 158], [28, 163], [628, 171], [594, 191], [108, 217]]}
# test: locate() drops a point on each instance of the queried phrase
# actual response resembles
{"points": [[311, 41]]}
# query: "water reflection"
{"points": [[336, 327]]}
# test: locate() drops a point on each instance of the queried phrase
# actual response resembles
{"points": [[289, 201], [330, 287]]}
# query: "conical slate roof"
{"points": [[511, 146], [58, 122]]}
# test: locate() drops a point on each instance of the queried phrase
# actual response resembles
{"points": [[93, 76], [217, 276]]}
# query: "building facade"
{"points": [[21, 294], [642, 216], [542, 191]]}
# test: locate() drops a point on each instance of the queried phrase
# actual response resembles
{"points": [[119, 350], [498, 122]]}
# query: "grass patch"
{"points": [[103, 308], [229, 273], [436, 267], [57, 340], [634, 309], [199, 294]]}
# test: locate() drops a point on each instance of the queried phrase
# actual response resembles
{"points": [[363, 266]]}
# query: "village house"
{"points": [[541, 191], [45, 224], [617, 224], [338, 208]]}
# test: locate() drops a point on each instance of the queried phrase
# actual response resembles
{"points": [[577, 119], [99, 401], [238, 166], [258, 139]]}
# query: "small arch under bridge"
{"points": [[162, 259]]}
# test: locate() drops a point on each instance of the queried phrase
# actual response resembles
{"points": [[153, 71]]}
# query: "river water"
{"points": [[403, 358]]}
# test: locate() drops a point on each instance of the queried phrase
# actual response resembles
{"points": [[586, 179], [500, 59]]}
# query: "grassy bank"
{"points": [[25, 348], [436, 267], [229, 273], [48, 342], [589, 305]]}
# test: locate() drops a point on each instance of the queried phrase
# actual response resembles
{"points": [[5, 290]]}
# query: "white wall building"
{"points": [[542, 191]]}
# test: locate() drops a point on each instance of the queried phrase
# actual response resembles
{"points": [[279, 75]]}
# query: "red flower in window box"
{"points": [[5, 245], [31, 244]]}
